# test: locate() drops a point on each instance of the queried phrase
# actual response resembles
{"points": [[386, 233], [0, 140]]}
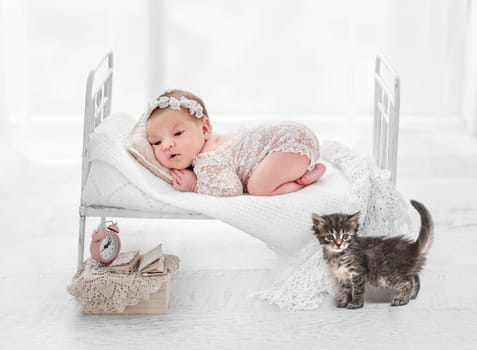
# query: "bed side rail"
{"points": [[97, 106], [386, 116]]}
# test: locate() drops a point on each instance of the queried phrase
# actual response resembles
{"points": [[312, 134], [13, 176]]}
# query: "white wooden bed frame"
{"points": [[98, 107]]}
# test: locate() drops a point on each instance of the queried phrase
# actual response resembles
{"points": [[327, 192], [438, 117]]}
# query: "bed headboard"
{"points": [[97, 104], [386, 116]]}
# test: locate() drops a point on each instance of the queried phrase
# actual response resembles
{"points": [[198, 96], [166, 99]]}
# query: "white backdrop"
{"points": [[268, 57]]}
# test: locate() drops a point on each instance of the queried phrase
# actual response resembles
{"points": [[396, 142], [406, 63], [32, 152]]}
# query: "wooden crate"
{"points": [[157, 304]]}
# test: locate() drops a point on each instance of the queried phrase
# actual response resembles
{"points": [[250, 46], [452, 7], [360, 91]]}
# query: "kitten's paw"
{"points": [[342, 303], [399, 301], [355, 305], [414, 294]]}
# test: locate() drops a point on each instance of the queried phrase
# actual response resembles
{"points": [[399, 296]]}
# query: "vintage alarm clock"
{"points": [[105, 243]]}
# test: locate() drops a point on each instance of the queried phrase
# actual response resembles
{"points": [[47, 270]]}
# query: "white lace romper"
{"points": [[225, 172]]}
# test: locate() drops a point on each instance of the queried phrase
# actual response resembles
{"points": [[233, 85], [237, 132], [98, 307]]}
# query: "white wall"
{"points": [[470, 77], [317, 56], [3, 85], [271, 57]]}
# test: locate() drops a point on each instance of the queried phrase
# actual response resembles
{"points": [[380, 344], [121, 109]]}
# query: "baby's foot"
{"points": [[312, 176]]}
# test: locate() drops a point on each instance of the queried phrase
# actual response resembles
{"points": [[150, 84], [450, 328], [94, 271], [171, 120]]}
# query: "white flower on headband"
{"points": [[194, 107], [174, 103], [163, 102]]}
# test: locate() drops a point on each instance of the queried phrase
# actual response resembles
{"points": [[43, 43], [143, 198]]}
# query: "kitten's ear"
{"points": [[353, 220], [354, 217], [317, 219]]}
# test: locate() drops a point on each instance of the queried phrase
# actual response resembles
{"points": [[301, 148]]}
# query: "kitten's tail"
{"points": [[426, 232]]}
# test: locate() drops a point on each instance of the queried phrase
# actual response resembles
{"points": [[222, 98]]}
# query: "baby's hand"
{"points": [[184, 180]]}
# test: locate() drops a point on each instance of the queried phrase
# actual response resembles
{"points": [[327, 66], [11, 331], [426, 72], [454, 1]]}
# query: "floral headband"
{"points": [[194, 107]]}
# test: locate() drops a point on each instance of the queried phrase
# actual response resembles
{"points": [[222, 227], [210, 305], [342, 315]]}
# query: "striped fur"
{"points": [[383, 262]]}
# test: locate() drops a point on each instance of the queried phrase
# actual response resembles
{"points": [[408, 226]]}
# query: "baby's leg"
{"points": [[277, 174]]}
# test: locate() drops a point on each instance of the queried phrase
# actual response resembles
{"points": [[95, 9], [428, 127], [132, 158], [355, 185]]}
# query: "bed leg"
{"points": [[82, 225]]}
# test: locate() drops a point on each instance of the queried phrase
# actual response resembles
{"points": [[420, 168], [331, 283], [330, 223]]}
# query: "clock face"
{"points": [[109, 247]]}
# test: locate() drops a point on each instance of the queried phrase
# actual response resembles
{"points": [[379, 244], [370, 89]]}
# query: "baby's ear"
{"points": [[206, 127]]}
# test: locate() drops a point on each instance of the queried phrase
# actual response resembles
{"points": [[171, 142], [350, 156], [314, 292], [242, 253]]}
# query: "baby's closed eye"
{"points": [[177, 133]]}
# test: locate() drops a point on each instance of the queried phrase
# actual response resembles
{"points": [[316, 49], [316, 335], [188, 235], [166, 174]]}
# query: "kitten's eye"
{"points": [[345, 236], [329, 237]]}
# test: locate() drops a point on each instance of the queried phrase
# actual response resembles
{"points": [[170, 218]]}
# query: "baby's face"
{"points": [[176, 137]]}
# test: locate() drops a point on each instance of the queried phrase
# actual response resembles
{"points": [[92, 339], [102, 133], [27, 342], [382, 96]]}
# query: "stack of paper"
{"points": [[153, 263], [125, 262]]}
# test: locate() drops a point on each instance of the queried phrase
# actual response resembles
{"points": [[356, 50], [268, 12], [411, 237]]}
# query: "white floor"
{"points": [[220, 266]]}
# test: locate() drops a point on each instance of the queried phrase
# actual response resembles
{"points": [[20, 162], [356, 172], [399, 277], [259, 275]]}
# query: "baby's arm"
{"points": [[184, 180]]}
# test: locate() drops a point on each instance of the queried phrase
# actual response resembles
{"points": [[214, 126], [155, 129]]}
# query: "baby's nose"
{"points": [[167, 144]]}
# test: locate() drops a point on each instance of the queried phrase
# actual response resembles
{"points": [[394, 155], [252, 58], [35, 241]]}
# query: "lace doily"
{"points": [[99, 289]]}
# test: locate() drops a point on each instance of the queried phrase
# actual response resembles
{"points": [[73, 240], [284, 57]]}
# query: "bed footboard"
{"points": [[386, 116]]}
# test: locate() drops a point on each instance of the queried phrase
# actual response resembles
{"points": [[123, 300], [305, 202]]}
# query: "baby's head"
{"points": [[177, 128]]}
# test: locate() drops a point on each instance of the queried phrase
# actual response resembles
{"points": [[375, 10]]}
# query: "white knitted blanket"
{"points": [[282, 222]]}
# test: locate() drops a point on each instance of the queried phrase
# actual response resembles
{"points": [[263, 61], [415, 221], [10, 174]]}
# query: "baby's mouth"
{"points": [[173, 155]]}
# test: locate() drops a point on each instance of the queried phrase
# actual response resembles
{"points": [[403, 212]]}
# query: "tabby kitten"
{"points": [[383, 262]]}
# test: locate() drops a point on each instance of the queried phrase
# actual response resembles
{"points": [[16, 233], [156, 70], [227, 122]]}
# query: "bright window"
{"points": [[246, 57]]}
